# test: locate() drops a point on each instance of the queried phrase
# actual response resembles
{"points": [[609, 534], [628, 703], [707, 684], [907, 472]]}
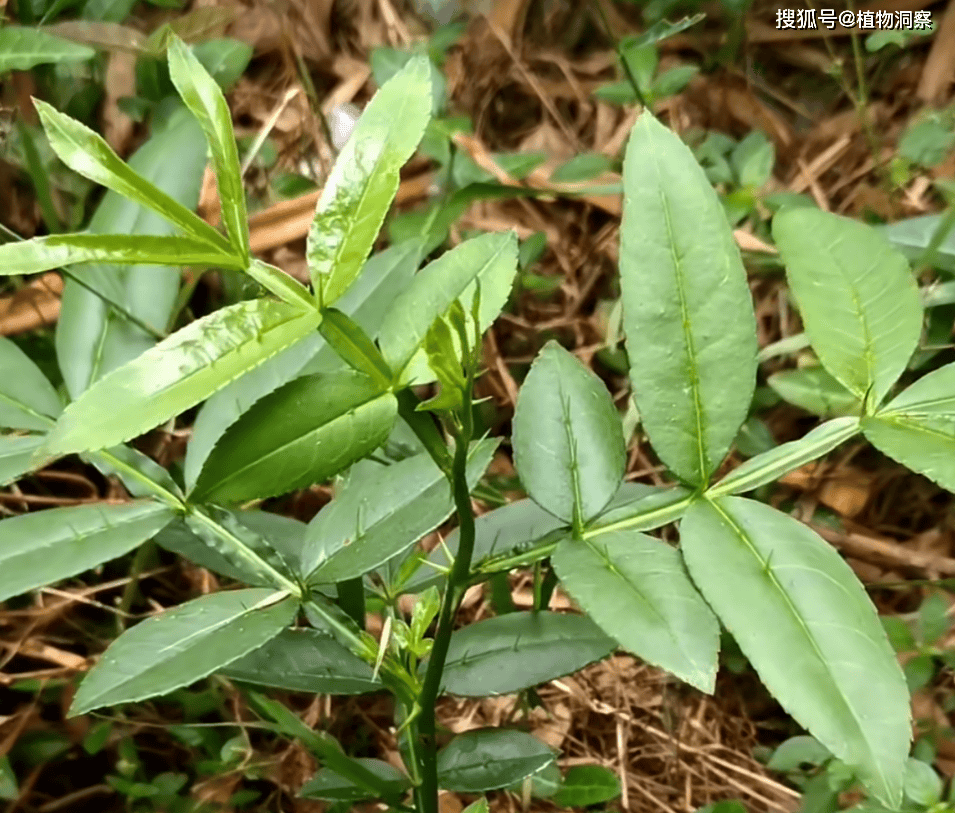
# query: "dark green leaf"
{"points": [[636, 589], [303, 433], [688, 315], [487, 759], [806, 624], [305, 660], [182, 645], [516, 651], [328, 785], [45, 546], [384, 275]]}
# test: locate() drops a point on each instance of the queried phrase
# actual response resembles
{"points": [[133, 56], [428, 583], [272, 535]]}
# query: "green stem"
{"points": [[424, 428], [426, 794]]}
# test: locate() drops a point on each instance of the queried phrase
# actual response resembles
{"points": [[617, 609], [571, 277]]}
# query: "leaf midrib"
{"points": [[689, 344], [766, 568]]}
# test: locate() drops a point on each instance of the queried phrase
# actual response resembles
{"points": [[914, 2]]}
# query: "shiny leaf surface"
{"points": [[385, 514], [305, 660], [516, 651], [183, 645], [487, 759], [301, 434], [490, 260], [178, 373], [364, 180]]}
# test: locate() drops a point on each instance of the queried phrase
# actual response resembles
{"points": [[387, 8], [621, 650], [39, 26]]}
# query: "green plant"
{"points": [[282, 411]]}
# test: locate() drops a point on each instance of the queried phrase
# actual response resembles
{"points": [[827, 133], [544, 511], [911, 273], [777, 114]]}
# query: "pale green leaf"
{"points": [[27, 398], [362, 184], [22, 48], [283, 285], [568, 442], [857, 297], [55, 250], [87, 153], [183, 645], [918, 427], [204, 98], [586, 785], [489, 260], [816, 391], [303, 433], [787, 457], [688, 314], [635, 588], [18, 455], [42, 547], [178, 373], [803, 620]]}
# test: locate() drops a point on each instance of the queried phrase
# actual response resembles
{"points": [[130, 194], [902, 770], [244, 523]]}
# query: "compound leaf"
{"points": [[687, 310], [803, 620], [183, 645], [568, 441]]}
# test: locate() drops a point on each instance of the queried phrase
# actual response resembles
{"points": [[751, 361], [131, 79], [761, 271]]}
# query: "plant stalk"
{"points": [[426, 794]]}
